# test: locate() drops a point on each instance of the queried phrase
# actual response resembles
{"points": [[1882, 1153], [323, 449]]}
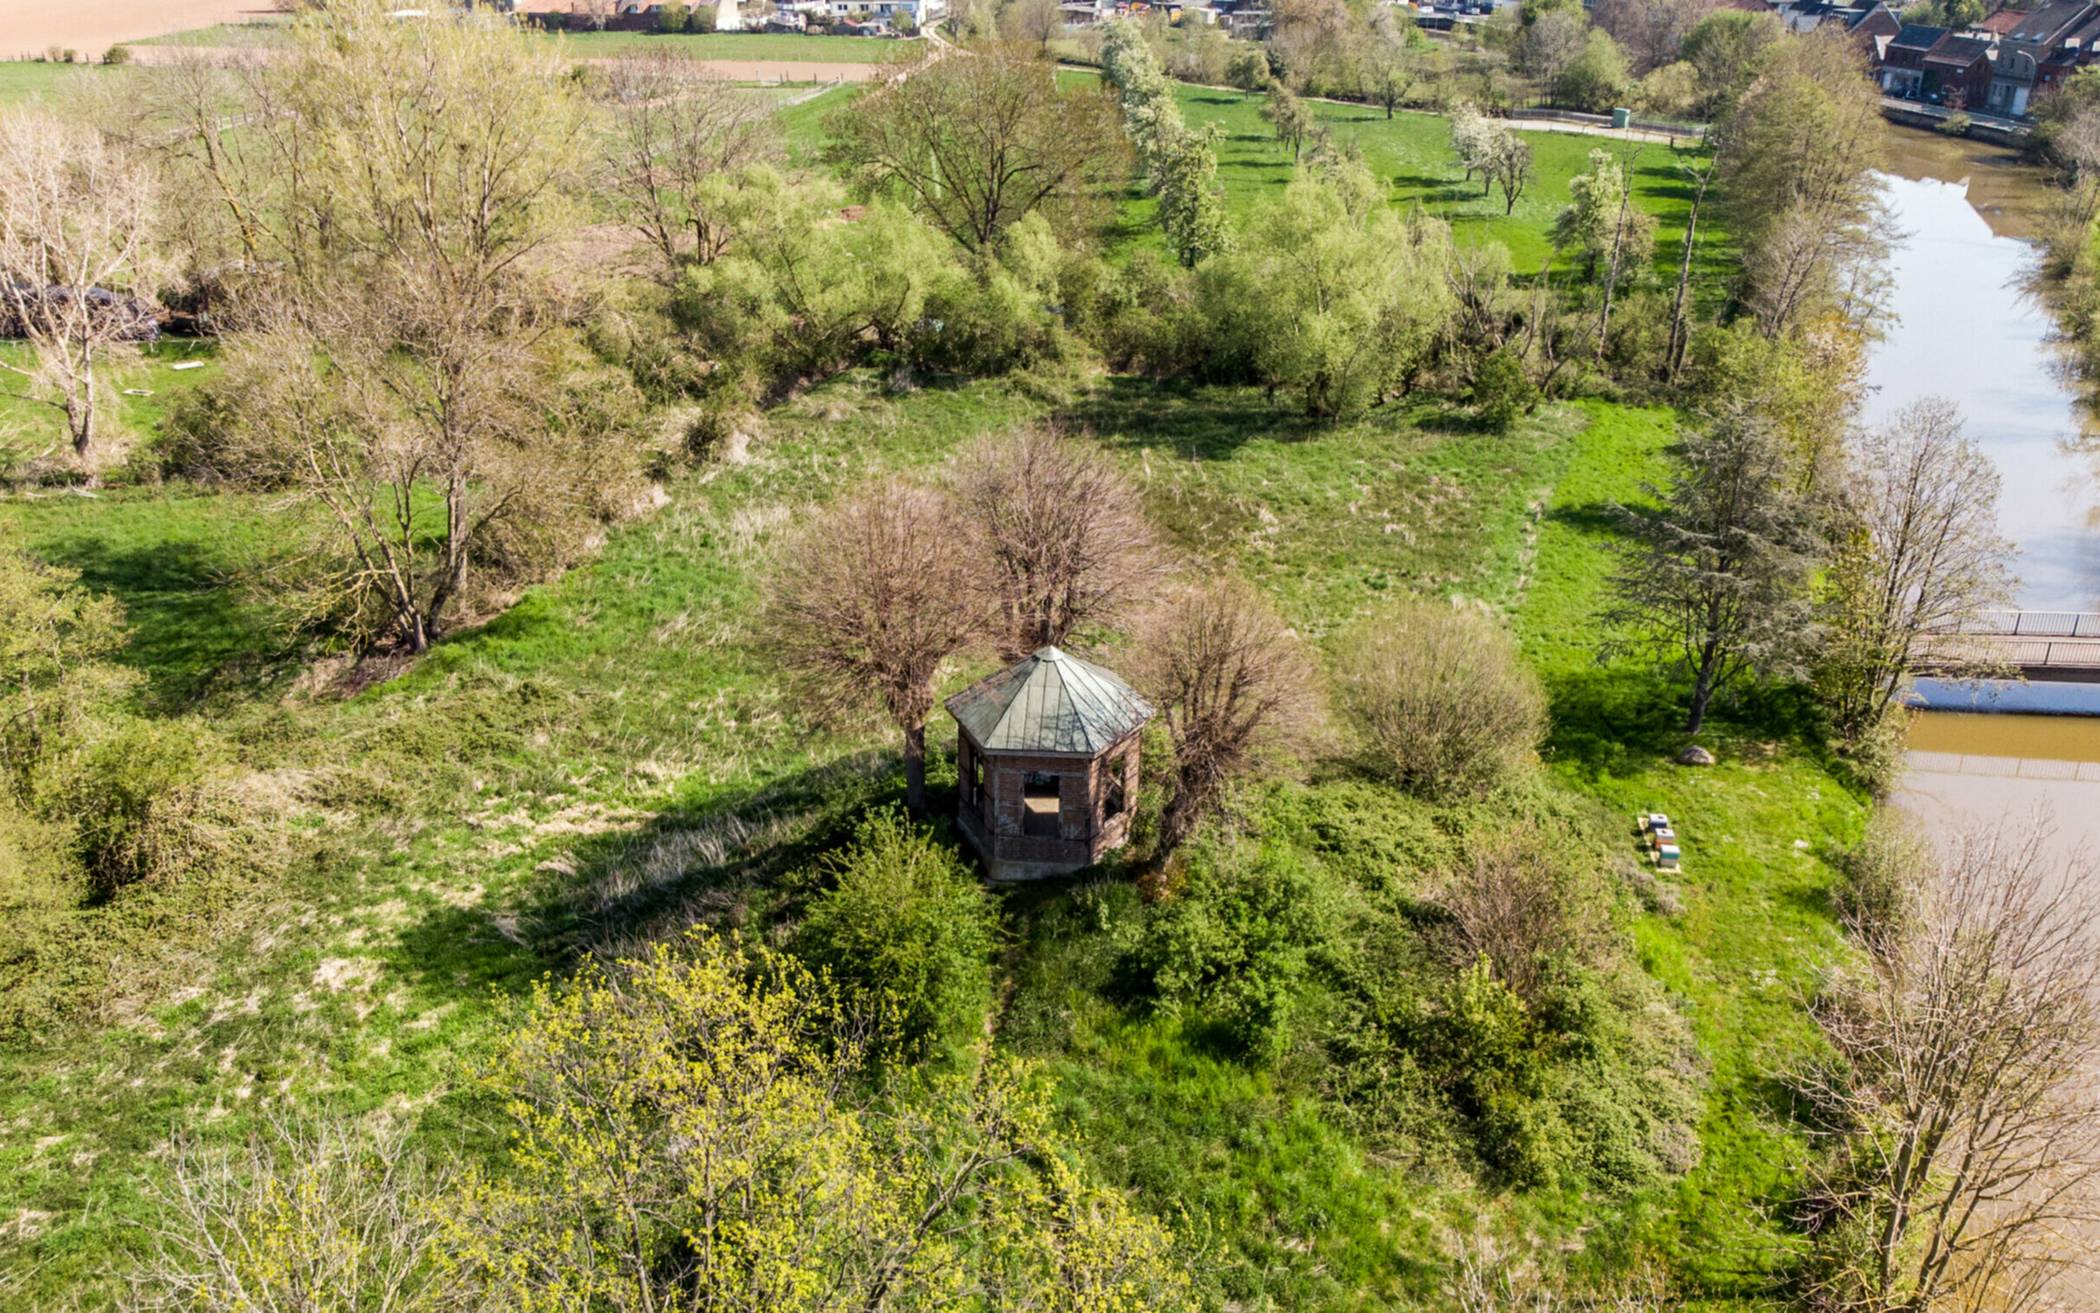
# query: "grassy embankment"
{"points": [[617, 747]]}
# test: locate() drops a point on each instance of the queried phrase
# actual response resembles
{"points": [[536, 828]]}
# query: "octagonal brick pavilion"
{"points": [[1047, 759]]}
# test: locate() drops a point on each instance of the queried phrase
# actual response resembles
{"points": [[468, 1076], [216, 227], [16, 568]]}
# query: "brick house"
{"points": [[1046, 761], [1958, 71], [1902, 59]]}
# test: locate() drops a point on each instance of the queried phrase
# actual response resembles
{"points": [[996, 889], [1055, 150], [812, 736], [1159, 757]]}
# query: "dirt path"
{"points": [[30, 27], [773, 72]]}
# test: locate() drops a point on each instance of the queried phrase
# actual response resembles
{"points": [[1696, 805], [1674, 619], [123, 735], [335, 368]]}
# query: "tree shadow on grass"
{"points": [[1195, 421], [726, 859], [192, 635]]}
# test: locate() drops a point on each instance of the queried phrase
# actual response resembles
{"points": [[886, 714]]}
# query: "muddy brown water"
{"points": [[1962, 326]]}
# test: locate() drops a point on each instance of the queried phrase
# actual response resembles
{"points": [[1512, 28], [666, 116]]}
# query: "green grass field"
{"points": [[1411, 152], [511, 791], [23, 80]]}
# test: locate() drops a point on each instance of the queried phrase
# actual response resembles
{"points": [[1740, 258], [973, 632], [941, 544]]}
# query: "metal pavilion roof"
{"points": [[1049, 701]]}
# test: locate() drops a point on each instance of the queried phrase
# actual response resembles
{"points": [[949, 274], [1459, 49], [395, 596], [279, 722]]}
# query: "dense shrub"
{"points": [[984, 314], [1501, 389], [1142, 316], [138, 801], [1442, 701], [1490, 1022], [1242, 939], [1598, 79], [903, 926], [1880, 888]]}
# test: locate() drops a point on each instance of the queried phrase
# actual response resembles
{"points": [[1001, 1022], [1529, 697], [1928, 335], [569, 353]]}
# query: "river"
{"points": [[1960, 326]]}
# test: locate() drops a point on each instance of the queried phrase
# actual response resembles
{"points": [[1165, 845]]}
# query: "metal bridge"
{"points": [[2061, 646]]}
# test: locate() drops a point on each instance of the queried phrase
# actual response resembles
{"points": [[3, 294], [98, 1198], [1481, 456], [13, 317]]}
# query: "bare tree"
{"points": [[1513, 904], [401, 189], [1680, 305], [1965, 1109], [977, 142], [1652, 31], [1390, 59], [413, 525], [1061, 534], [1552, 43], [1715, 582], [679, 127], [1922, 556], [1231, 683], [1632, 241], [1033, 22], [304, 1217], [76, 266], [870, 600]]}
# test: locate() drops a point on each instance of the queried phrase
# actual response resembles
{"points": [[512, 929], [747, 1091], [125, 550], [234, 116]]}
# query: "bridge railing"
{"points": [[2035, 624]]}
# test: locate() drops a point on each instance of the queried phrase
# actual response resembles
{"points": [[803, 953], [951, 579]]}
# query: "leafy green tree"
{"points": [[680, 1129], [1726, 50], [1946, 13], [1248, 67], [1801, 146], [1191, 211], [1332, 294], [672, 17], [1287, 115], [1597, 79], [977, 144], [902, 924], [1180, 165], [1501, 389], [1714, 582], [1806, 386], [796, 293], [695, 1128]]}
